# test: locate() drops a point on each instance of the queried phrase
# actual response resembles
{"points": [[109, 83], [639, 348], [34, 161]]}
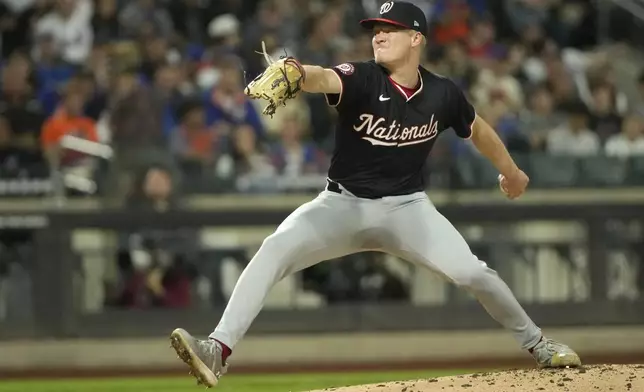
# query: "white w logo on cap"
{"points": [[386, 7]]}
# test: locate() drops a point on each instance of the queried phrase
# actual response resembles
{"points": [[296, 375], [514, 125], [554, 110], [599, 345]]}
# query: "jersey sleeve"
{"points": [[462, 113], [354, 77]]}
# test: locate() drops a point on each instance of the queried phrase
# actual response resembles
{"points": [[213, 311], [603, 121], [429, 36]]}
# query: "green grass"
{"points": [[236, 383]]}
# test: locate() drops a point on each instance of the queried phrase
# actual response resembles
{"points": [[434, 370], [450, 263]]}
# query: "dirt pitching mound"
{"points": [[600, 378]]}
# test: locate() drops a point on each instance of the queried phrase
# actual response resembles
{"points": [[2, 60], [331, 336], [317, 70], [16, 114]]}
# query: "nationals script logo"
{"points": [[392, 135]]}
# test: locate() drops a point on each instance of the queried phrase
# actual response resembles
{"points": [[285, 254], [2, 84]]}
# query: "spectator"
{"points": [[224, 32], [457, 65], [137, 117], [19, 102], [68, 121], [506, 124], [250, 161], [193, 140], [100, 66], [525, 13], [350, 11], [296, 107], [8, 159], [70, 25], [604, 119], [293, 156], [481, 43], [538, 50], [496, 83], [137, 61], [168, 89], [561, 82], [226, 102], [105, 22], [95, 97], [574, 24], [190, 19], [16, 23], [361, 50], [630, 141], [155, 53], [639, 106], [136, 133], [540, 117], [18, 160], [51, 70], [19, 68], [271, 26], [126, 83], [516, 58], [142, 18], [318, 47], [8, 23], [154, 269], [121, 55], [451, 22], [224, 41], [155, 189], [573, 137]]}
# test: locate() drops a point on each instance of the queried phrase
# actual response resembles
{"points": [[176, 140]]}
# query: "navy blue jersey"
{"points": [[383, 136]]}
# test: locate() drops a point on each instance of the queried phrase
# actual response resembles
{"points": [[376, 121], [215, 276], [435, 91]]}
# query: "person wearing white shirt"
{"points": [[573, 137], [70, 25], [630, 141]]}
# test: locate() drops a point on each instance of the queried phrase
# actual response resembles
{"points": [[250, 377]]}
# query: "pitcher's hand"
{"points": [[515, 185]]}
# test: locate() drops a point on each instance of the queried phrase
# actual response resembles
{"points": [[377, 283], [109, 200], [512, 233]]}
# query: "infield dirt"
{"points": [[599, 378]]}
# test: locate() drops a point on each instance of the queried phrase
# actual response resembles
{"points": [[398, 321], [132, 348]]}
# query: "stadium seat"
{"points": [[603, 171], [636, 172], [551, 171], [488, 175], [476, 172], [523, 161], [466, 172]]}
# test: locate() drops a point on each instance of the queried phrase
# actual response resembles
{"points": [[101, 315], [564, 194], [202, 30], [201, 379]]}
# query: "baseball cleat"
{"points": [[204, 357], [551, 354]]}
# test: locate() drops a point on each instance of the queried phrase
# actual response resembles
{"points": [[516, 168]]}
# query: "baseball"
{"points": [[501, 178]]}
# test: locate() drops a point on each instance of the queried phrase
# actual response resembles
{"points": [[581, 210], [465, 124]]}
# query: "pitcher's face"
{"points": [[390, 43]]}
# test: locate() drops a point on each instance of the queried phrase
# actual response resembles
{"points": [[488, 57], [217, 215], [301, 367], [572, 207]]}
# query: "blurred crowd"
{"points": [[161, 82]]}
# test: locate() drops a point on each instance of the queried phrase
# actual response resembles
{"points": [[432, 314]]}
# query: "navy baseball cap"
{"points": [[401, 14]]}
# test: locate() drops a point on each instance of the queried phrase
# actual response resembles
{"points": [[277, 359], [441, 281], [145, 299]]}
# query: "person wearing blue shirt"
{"points": [[226, 101]]}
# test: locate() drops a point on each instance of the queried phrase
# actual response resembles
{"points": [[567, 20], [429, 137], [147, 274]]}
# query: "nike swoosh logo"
{"points": [[383, 99]]}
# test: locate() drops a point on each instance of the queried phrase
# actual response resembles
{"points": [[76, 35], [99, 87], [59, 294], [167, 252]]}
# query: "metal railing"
{"points": [[63, 178], [592, 285]]}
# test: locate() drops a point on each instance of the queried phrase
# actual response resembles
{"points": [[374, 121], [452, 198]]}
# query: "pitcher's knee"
{"points": [[278, 251], [474, 277]]}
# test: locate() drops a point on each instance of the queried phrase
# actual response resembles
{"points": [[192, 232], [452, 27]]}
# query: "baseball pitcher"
{"points": [[391, 110]]}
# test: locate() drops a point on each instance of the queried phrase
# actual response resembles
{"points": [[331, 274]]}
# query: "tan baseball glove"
{"points": [[281, 80]]}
